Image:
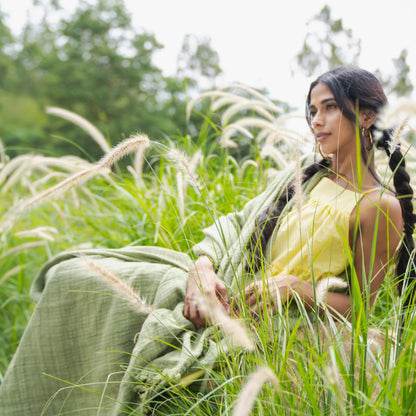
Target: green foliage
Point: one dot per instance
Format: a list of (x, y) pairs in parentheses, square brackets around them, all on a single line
[(95, 64), (317, 366), (198, 61), (6, 43), (110, 212), (327, 45), (322, 366), (22, 123), (399, 83)]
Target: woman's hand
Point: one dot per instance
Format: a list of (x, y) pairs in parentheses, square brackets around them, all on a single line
[(203, 281), (266, 293)]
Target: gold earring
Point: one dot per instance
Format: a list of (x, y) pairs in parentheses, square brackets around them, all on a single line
[(326, 157), (367, 132), (370, 136)]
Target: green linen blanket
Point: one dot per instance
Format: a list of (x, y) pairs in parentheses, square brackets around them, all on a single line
[(87, 351)]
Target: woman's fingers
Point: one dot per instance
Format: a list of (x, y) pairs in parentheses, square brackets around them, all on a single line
[(252, 293), (209, 287), (264, 294), (222, 296)]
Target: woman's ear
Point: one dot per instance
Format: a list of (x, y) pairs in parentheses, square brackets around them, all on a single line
[(367, 118)]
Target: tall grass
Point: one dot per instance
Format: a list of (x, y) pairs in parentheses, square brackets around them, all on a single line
[(302, 364)]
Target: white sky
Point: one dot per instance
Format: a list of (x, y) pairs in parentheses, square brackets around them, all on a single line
[(258, 40)]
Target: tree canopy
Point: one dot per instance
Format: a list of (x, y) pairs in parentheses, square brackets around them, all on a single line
[(95, 64)]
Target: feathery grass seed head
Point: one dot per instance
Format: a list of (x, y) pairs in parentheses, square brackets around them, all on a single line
[(252, 388), (82, 123), (186, 165), (232, 327), (119, 285), (327, 284), (133, 143)]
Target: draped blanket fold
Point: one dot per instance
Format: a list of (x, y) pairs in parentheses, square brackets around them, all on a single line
[(88, 349)]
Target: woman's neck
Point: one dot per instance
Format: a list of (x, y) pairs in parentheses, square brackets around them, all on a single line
[(346, 173)]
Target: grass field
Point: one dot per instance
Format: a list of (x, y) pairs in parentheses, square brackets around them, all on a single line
[(319, 367)]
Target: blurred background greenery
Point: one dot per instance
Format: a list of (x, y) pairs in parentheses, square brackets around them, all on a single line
[(95, 63)]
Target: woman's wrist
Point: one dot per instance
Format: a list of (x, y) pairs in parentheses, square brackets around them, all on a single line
[(205, 262), (292, 285)]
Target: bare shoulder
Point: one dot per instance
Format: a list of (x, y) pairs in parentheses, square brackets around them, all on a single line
[(382, 208)]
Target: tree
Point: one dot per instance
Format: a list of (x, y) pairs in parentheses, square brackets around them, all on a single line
[(98, 67), (94, 63), (327, 45), (21, 118), (398, 83), (198, 63), (6, 44)]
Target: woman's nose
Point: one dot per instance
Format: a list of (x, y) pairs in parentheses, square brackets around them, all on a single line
[(317, 120)]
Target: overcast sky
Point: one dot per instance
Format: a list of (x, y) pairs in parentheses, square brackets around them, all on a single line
[(258, 40)]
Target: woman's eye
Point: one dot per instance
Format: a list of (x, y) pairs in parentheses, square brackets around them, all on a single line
[(331, 106)]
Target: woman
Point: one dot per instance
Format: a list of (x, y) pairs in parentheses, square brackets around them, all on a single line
[(335, 102), (78, 339)]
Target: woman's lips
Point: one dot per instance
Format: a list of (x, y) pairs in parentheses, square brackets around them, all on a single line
[(322, 136)]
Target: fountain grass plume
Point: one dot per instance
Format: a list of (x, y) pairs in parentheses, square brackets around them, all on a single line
[(397, 116), (208, 94), (270, 132), (21, 167), (398, 133), (59, 188), (3, 157), (233, 328), (139, 163), (15, 270), (223, 96), (186, 165), (257, 107), (252, 388), (223, 101), (22, 247), (133, 143), (404, 109), (327, 284), (226, 141), (271, 151), (185, 175), (101, 167), (12, 165), (40, 232), (246, 164), (83, 124), (118, 285)]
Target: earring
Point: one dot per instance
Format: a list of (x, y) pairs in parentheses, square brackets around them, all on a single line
[(367, 132), (370, 136), (326, 157)]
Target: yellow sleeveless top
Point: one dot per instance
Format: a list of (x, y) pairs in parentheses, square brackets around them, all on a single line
[(314, 241)]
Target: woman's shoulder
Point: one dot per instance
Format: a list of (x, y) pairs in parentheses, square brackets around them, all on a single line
[(380, 205)]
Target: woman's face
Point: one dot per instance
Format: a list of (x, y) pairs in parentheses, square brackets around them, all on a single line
[(334, 132)]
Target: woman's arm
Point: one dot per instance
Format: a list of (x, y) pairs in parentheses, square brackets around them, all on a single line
[(284, 286), (378, 226)]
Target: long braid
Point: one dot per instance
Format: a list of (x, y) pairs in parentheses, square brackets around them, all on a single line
[(404, 192), (267, 220)]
